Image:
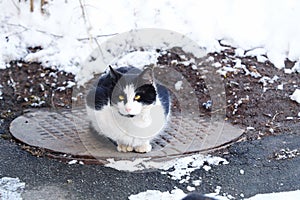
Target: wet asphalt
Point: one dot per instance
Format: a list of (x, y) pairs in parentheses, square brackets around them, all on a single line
[(254, 167)]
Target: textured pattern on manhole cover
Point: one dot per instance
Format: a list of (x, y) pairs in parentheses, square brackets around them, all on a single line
[(69, 132)]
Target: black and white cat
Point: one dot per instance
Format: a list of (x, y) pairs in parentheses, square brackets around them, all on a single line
[(128, 107)]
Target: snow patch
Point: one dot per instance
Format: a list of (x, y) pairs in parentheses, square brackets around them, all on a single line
[(296, 96), (216, 64), (183, 167), (216, 194), (256, 52), (259, 53), (291, 195), (286, 154), (178, 85), (239, 52), (72, 162), (296, 67), (176, 194), (138, 59), (176, 169), (267, 80), (67, 42), (250, 128), (190, 188), (194, 67), (196, 182), (224, 70), (252, 71), (280, 87), (128, 165), (242, 172), (11, 188), (238, 103), (288, 71)]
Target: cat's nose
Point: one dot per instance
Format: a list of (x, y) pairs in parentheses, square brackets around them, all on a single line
[(128, 109)]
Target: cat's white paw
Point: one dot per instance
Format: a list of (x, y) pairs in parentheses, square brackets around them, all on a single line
[(124, 148), (143, 148)]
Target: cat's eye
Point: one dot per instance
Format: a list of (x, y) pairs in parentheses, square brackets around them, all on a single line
[(137, 97), (121, 97)]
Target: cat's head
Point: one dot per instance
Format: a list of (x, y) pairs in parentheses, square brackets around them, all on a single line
[(134, 91)]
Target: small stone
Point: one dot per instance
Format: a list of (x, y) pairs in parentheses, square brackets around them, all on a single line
[(69, 181)]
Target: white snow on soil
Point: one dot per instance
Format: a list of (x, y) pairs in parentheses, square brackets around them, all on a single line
[(181, 167), (138, 59), (128, 165), (291, 195), (11, 188), (265, 29), (175, 194), (178, 194), (296, 96)]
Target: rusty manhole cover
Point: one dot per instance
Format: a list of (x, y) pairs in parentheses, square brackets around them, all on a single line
[(69, 132)]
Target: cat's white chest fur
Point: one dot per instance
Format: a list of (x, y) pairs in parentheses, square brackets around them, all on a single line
[(132, 132)]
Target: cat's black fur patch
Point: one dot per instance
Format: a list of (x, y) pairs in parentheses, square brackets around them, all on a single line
[(147, 93), (196, 196), (111, 84)]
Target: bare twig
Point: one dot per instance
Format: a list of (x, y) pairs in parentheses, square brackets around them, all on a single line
[(43, 2), (13, 83), (99, 47), (15, 33), (41, 31), (274, 117), (82, 11), (220, 109), (31, 6), (52, 98), (98, 36), (17, 7), (85, 19), (252, 49), (55, 35)]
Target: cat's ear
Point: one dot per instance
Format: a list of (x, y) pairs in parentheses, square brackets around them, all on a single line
[(147, 76), (114, 74)]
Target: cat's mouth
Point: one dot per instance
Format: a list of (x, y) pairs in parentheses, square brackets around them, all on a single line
[(129, 116)]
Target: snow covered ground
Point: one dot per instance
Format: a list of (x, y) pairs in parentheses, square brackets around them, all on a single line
[(70, 30)]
